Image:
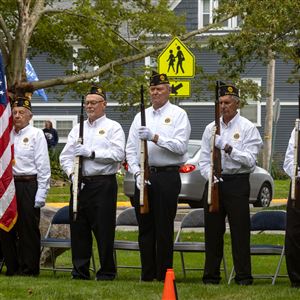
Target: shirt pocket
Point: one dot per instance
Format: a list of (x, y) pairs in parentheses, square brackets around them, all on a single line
[(25, 150)]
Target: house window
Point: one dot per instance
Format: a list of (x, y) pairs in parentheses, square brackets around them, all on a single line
[(79, 52), (63, 124), (150, 62), (63, 127), (206, 12), (252, 111)]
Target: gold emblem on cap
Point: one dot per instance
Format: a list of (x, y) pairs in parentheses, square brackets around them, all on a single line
[(161, 77), (101, 131), (99, 90), (26, 140), (230, 89), (236, 136)]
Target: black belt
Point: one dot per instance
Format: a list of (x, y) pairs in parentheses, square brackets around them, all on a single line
[(234, 176), (20, 178), (164, 169), (94, 178)]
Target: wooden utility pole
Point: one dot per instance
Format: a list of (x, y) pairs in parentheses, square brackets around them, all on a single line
[(269, 112)]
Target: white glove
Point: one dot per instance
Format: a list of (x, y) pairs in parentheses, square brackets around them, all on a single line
[(216, 180), (219, 142), (39, 204), (71, 177), (39, 199), (82, 150), (145, 133), (138, 181)]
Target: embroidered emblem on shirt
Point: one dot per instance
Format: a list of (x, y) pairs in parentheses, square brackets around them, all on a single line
[(236, 136), (101, 131), (167, 120), (25, 140)]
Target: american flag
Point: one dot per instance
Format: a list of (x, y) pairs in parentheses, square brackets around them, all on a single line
[(8, 202)]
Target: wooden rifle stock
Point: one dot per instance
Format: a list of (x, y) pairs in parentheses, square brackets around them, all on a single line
[(144, 175), (78, 167), (215, 161)]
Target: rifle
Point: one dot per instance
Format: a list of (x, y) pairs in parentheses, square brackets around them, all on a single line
[(144, 203), (77, 181), (215, 160), (295, 184)]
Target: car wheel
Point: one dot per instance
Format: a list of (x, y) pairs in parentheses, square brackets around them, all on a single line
[(195, 204), (264, 197)]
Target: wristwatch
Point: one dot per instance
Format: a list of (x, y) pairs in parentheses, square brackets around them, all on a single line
[(228, 149), (92, 157), (155, 138)]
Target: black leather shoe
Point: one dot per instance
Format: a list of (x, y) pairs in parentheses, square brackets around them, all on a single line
[(244, 282), (295, 285), (78, 277), (105, 277)]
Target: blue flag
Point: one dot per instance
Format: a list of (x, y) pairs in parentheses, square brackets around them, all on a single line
[(31, 76)]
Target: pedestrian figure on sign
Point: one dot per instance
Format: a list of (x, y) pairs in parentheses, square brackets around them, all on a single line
[(171, 61), (180, 59)]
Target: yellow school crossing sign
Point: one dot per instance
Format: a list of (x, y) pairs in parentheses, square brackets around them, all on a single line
[(180, 88), (176, 60)]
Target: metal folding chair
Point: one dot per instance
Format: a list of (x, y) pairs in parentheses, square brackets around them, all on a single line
[(61, 217), (193, 220), (126, 218), (267, 220)]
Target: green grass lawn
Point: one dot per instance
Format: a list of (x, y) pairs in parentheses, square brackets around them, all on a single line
[(62, 194), (128, 286)]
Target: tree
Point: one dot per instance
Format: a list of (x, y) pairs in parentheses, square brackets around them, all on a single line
[(114, 33), (269, 29)]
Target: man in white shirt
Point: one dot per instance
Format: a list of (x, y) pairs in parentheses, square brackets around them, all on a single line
[(292, 237), (167, 131), (103, 150), (239, 142), (31, 170)]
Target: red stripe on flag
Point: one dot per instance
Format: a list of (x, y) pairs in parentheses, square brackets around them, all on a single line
[(8, 201)]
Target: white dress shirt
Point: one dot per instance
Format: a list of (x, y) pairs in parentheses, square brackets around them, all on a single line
[(31, 157), (104, 136), (246, 143), (172, 125), (288, 164)]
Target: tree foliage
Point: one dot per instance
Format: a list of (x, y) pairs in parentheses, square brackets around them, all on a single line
[(117, 33), (266, 25)]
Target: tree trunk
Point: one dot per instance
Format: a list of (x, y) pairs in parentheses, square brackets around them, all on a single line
[(269, 113)]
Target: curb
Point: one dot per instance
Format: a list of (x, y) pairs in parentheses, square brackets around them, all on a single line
[(128, 204)]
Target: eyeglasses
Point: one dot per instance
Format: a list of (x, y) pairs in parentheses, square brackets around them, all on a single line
[(93, 103)]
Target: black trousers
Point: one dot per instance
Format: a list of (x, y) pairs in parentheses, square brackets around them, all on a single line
[(96, 214), (21, 246), (292, 243), (234, 203), (156, 228)]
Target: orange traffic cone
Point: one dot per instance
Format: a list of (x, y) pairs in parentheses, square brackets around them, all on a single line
[(170, 292)]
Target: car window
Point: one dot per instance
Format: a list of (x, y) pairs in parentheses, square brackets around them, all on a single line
[(193, 149)]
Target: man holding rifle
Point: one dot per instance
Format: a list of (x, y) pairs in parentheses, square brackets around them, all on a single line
[(102, 151), (239, 142), (167, 131)]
